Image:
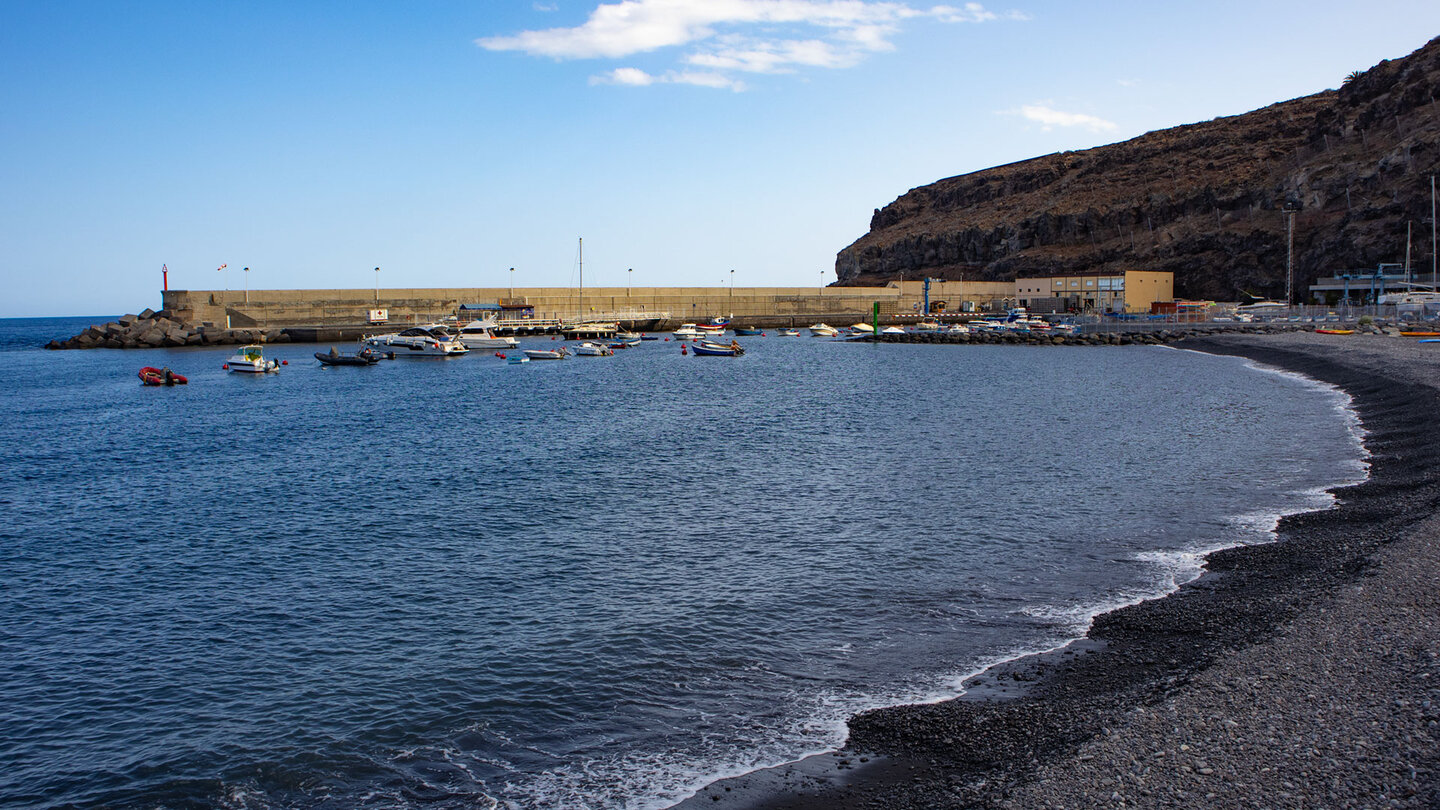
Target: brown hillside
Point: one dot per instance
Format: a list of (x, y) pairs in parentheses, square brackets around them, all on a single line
[(1202, 200)]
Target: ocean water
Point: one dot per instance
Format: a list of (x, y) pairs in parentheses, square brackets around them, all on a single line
[(600, 582)]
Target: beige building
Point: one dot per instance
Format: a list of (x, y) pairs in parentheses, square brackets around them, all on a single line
[(1131, 291)]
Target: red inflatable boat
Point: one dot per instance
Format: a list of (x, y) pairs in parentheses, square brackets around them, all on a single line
[(161, 376)]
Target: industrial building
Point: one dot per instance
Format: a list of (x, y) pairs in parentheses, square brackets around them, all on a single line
[(1130, 291)]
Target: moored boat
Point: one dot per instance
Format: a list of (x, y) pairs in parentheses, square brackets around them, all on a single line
[(150, 375), (367, 356), (588, 349), (547, 354), (743, 330), (419, 341), (706, 348), (823, 330), (251, 360), (688, 331), (789, 333), (1334, 331), (480, 335)]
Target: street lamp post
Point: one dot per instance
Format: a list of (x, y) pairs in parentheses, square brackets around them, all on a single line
[(628, 276), (512, 283), (247, 285), (732, 285), (377, 285)]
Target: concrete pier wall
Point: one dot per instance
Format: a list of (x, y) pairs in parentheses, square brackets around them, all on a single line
[(287, 308)]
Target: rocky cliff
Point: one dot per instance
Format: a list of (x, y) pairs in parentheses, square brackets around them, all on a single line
[(1203, 200)]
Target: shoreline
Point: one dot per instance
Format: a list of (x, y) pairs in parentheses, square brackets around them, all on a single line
[(1076, 726)]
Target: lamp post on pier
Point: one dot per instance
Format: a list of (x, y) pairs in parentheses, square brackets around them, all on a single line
[(377, 285), (732, 285), (247, 285), (629, 271), (512, 284)]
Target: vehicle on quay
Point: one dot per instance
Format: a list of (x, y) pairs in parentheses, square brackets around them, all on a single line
[(251, 360), (419, 341)]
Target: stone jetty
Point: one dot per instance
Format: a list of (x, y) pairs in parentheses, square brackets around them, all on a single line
[(152, 330)]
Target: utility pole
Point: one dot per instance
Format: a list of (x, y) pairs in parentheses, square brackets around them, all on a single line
[(1289, 254), (1408, 279), (1432, 231)]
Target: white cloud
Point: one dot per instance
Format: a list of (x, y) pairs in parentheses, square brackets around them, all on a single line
[(1050, 118), (635, 77), (749, 36)]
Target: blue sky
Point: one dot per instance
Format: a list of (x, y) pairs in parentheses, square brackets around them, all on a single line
[(447, 142)]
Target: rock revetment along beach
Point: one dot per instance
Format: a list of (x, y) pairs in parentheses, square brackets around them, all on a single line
[(1299, 673)]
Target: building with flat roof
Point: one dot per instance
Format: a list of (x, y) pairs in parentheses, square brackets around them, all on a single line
[(1130, 291)]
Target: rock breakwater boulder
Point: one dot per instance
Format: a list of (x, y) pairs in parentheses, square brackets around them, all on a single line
[(152, 330)]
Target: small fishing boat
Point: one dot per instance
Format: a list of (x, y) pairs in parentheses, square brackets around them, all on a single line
[(547, 354), (892, 330), (627, 335), (742, 330), (1415, 334), (789, 333), (150, 375), (516, 359), (623, 344), (588, 349), (251, 360), (688, 331), (365, 357), (1334, 331), (706, 348), (824, 330)]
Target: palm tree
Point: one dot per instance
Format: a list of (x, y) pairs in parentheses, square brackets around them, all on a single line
[(1354, 74)]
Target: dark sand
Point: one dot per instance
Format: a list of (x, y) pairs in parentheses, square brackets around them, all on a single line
[(1303, 673)]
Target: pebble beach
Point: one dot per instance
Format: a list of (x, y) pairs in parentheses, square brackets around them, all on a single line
[(1301, 673)]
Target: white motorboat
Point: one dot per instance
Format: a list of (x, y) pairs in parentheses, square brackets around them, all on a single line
[(862, 329), (478, 335), (547, 354), (892, 330), (688, 331), (588, 349), (419, 341), (251, 360), (824, 330), (789, 333)]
